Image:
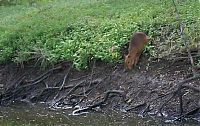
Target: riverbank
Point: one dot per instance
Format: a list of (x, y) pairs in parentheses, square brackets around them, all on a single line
[(103, 87), (69, 54)]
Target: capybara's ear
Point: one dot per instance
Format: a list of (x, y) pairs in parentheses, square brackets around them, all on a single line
[(148, 39)]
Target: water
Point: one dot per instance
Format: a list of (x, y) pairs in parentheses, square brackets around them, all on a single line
[(23, 115)]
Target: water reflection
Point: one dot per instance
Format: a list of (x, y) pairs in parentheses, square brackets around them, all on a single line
[(37, 115)]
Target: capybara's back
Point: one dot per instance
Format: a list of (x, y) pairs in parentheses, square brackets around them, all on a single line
[(136, 46)]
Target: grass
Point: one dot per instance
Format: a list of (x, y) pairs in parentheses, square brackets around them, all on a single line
[(79, 31)]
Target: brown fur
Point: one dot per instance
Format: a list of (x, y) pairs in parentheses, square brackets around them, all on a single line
[(136, 46)]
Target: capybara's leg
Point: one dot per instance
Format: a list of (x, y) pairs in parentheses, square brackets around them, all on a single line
[(133, 63), (137, 59)]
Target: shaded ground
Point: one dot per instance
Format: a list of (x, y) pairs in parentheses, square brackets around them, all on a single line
[(143, 90)]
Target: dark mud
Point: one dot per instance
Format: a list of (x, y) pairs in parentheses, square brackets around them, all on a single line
[(146, 90)]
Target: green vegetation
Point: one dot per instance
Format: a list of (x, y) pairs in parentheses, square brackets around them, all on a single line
[(81, 30)]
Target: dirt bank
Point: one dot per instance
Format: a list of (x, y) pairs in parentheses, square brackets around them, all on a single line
[(150, 89)]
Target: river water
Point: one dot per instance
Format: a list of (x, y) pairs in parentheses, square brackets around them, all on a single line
[(37, 115)]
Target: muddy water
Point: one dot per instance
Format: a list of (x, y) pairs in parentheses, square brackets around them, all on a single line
[(23, 115)]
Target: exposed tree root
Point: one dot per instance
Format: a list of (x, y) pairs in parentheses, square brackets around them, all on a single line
[(101, 103), (176, 92), (187, 114), (21, 88), (94, 90)]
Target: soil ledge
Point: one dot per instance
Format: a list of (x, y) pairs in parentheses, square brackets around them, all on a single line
[(152, 88)]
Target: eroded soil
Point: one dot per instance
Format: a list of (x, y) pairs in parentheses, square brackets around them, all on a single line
[(142, 90)]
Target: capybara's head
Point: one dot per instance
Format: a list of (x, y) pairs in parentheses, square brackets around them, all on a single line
[(129, 61), (141, 37)]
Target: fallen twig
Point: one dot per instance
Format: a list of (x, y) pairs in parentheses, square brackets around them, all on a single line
[(182, 35)]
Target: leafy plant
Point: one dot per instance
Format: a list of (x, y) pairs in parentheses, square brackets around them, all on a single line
[(79, 31)]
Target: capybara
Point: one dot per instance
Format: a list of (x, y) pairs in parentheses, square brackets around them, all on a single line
[(136, 46)]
